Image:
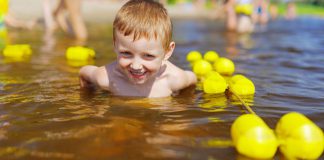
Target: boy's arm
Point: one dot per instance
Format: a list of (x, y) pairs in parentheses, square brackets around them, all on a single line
[(182, 79), (93, 76)]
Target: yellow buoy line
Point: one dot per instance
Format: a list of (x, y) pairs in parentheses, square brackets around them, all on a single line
[(247, 107), (296, 136), (76, 55)]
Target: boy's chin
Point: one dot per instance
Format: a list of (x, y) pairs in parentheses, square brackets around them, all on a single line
[(138, 82)]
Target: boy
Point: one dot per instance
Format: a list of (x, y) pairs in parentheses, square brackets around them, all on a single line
[(142, 32)]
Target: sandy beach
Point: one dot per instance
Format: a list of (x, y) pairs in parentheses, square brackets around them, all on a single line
[(101, 10)]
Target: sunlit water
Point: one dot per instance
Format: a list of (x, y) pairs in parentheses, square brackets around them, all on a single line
[(45, 115)]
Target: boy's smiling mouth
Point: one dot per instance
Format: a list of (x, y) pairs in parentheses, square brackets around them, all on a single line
[(137, 74)]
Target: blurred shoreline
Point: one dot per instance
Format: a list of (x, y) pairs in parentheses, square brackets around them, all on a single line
[(102, 11)]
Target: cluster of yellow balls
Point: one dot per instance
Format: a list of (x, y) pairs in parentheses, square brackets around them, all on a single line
[(296, 135), (76, 56), (215, 73)]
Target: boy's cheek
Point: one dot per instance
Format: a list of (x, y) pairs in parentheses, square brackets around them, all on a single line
[(122, 62), (154, 66)]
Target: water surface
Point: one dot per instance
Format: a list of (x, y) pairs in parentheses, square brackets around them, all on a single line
[(45, 115)]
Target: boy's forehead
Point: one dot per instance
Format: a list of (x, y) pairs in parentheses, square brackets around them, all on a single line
[(141, 43)]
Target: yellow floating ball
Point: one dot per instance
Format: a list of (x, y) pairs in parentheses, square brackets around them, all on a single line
[(224, 66), (202, 67), (253, 138), (79, 53), (211, 56), (238, 77), (241, 85), (214, 83), (193, 56), (246, 9), (3, 36), (17, 51), (4, 5), (299, 137)]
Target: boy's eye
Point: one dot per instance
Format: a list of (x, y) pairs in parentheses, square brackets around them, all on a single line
[(149, 56), (125, 54)]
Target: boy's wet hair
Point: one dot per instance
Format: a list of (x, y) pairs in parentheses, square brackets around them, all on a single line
[(144, 19)]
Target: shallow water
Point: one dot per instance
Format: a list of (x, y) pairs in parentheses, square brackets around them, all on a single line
[(45, 115)]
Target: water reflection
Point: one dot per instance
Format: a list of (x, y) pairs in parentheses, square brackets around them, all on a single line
[(238, 43), (213, 103), (16, 59)]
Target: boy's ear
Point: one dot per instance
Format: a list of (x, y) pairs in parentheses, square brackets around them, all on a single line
[(170, 51)]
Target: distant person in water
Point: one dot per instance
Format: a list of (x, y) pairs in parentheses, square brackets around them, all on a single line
[(9, 20), (273, 9), (142, 36), (75, 23), (261, 13), (239, 15), (290, 9)]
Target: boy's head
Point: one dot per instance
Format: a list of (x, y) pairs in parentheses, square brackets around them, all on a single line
[(144, 19)]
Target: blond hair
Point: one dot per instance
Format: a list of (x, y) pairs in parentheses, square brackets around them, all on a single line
[(144, 18)]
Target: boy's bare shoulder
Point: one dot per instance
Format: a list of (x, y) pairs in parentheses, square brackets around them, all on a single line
[(175, 75), (102, 77), (178, 78), (173, 70)]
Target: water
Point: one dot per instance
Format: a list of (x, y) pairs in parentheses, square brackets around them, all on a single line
[(45, 115)]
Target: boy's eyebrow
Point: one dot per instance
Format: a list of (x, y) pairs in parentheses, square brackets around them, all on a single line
[(124, 50)]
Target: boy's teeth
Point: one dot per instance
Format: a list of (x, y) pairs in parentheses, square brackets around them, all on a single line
[(137, 73)]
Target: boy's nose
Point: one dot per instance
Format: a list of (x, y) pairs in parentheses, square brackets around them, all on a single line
[(136, 66)]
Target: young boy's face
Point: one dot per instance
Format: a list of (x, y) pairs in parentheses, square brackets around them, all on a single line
[(139, 60)]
